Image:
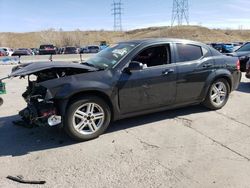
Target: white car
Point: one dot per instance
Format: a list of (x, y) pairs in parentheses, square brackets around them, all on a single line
[(10, 51)]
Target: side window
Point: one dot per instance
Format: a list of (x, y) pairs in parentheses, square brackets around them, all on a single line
[(188, 52), (154, 56)]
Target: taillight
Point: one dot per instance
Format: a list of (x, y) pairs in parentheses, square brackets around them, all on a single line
[(238, 65)]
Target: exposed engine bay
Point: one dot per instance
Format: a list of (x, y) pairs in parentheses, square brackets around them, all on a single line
[(42, 109)]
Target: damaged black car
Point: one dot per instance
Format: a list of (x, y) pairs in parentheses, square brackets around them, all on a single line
[(127, 79)]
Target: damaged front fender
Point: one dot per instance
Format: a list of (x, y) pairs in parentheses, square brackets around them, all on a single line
[(42, 107)]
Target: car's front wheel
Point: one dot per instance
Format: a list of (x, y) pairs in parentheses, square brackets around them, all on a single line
[(217, 95), (87, 118)]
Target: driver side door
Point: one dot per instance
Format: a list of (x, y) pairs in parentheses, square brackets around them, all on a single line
[(153, 86)]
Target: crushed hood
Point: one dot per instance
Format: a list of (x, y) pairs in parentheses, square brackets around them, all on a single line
[(30, 68)]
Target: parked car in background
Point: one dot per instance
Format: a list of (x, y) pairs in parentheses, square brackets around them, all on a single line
[(103, 45), (90, 49), (22, 52), (69, 50), (35, 51), (243, 53), (93, 49), (78, 50), (59, 50), (83, 50), (8, 50), (223, 47), (128, 79), (3, 52), (236, 45), (28, 49), (47, 49)]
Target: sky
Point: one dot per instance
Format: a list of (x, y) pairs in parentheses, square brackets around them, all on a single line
[(69, 15)]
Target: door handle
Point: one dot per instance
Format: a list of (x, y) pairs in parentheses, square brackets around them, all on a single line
[(167, 71), (206, 65)]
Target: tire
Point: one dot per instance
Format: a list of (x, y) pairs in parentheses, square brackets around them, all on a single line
[(87, 118), (1, 101), (217, 98), (243, 66)]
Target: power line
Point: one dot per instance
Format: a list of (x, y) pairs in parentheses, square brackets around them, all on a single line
[(180, 12), (117, 13)]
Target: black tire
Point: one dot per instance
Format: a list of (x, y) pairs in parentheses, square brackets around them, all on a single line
[(243, 66), (209, 103), (69, 118), (1, 101)]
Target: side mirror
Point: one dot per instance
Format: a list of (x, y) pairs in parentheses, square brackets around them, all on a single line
[(133, 66)]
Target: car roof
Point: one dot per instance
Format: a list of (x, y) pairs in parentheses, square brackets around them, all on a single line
[(160, 40)]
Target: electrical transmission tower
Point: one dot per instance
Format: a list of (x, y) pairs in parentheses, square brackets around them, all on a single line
[(117, 13), (180, 12)]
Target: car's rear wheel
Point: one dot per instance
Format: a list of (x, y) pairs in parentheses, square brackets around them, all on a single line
[(87, 118), (1, 101), (217, 95)]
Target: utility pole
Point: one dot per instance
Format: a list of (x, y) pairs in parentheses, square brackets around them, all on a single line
[(117, 13), (180, 12)]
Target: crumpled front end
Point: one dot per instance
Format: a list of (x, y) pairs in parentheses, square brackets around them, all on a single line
[(41, 109)]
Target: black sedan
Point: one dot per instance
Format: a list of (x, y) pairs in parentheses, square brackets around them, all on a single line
[(69, 50), (127, 79), (243, 53)]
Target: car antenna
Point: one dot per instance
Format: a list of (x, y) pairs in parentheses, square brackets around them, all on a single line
[(81, 57), (19, 62), (51, 57)]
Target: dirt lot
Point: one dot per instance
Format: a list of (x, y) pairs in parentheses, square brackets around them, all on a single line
[(189, 147)]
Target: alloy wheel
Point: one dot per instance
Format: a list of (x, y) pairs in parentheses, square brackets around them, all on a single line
[(218, 93), (88, 118)]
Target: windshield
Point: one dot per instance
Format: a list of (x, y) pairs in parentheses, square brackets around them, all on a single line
[(111, 55), (244, 48)]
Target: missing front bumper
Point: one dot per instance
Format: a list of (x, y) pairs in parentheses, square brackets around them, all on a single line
[(41, 114)]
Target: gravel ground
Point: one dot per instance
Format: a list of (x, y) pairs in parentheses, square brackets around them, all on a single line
[(188, 147)]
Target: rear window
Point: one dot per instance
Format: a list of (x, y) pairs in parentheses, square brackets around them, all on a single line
[(188, 52)]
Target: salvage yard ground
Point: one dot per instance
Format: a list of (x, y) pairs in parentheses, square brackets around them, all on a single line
[(189, 147)]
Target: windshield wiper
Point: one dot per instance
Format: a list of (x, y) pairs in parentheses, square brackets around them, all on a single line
[(91, 65)]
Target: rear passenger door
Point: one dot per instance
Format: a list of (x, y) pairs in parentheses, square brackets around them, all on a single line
[(194, 64)]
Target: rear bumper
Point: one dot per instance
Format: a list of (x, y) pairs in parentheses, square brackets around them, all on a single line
[(236, 80)]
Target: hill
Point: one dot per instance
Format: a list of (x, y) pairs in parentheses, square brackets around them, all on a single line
[(81, 38)]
